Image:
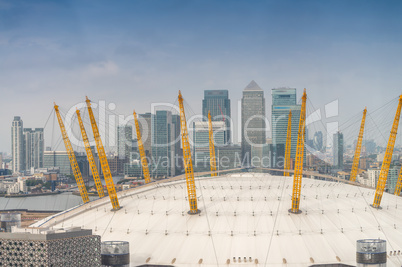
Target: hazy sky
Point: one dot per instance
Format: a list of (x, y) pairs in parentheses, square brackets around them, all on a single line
[(134, 53)]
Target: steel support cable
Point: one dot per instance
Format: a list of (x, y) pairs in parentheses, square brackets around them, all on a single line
[(265, 205), (275, 220), (209, 225), (385, 139)]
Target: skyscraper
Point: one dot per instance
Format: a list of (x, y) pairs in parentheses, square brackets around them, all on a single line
[(33, 148), (252, 118), (162, 144), (178, 151), (283, 101), (338, 150), (317, 141), (17, 145), (145, 123), (218, 102), (124, 141), (201, 159)]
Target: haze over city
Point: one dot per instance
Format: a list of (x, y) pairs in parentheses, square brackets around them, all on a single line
[(137, 53)]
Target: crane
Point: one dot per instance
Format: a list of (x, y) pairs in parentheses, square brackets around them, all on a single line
[(90, 156), (188, 162), (103, 160), (286, 165), (71, 156), (382, 179), (298, 174), (212, 158), (356, 158), (144, 161)]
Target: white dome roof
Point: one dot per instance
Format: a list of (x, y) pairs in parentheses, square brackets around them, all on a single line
[(242, 216)]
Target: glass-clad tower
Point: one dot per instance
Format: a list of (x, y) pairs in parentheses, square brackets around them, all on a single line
[(252, 119), (163, 133), (218, 102), (283, 101)]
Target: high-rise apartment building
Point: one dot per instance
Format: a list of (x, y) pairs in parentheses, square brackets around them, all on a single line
[(162, 144), (252, 118), (338, 150), (124, 141), (17, 145), (283, 101), (201, 158), (218, 103), (34, 146)]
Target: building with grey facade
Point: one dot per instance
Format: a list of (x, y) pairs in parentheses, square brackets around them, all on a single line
[(163, 144), (124, 141), (178, 150), (200, 142), (17, 145), (45, 247), (337, 150), (253, 126), (59, 159), (145, 123), (228, 157), (218, 103), (34, 146)]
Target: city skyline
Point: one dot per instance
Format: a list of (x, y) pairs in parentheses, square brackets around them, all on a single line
[(145, 54)]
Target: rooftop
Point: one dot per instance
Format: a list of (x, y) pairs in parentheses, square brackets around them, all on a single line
[(244, 217)]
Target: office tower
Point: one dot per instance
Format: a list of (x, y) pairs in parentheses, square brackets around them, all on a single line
[(162, 144), (34, 148), (283, 101), (17, 145), (58, 159), (178, 151), (261, 156), (252, 118), (201, 159), (218, 102), (124, 141), (317, 141), (338, 150), (228, 157), (145, 123)]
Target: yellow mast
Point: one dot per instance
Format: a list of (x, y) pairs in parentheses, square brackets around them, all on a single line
[(144, 161), (356, 158), (188, 162), (103, 160), (212, 158), (71, 157), (382, 180), (91, 160), (286, 165), (298, 174), (398, 186)]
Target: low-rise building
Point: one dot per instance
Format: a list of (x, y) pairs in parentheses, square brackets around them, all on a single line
[(44, 247)]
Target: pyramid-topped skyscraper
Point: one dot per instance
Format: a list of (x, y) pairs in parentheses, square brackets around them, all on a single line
[(253, 126)]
